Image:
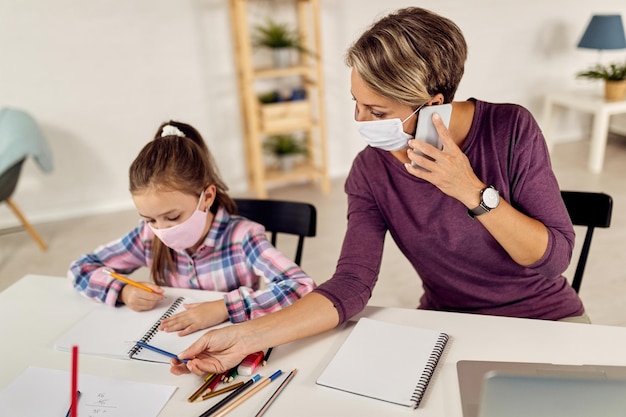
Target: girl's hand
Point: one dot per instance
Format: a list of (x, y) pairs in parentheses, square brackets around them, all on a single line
[(197, 316), (141, 300), (447, 169)]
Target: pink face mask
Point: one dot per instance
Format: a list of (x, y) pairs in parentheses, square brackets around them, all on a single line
[(186, 234)]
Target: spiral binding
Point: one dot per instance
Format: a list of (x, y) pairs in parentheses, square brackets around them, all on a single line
[(429, 369), (155, 327)]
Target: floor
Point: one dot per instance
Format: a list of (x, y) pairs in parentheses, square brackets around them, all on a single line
[(603, 290)]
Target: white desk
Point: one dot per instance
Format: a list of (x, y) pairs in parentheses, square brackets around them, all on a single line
[(590, 103), (37, 309)]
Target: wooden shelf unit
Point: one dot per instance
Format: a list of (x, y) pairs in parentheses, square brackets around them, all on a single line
[(262, 120)]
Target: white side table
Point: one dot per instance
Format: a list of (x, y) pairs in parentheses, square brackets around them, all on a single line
[(590, 103)]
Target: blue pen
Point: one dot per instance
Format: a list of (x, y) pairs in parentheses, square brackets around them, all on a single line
[(161, 351)]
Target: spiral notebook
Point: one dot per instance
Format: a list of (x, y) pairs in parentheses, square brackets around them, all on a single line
[(113, 332), (386, 361)]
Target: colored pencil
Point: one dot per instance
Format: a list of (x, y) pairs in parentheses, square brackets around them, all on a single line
[(267, 355), (161, 351), (248, 394), (216, 381), (127, 280), (202, 388), (74, 403), (230, 396), (276, 393), (232, 374), (69, 412), (221, 390)]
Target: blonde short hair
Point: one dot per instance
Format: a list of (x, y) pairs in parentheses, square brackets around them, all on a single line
[(410, 56)]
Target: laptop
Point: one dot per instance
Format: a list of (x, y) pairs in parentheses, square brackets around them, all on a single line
[(508, 395), (471, 375)]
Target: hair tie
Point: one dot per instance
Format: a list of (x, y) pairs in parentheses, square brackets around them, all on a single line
[(169, 130)]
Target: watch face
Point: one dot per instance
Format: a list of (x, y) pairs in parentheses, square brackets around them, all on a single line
[(491, 198)]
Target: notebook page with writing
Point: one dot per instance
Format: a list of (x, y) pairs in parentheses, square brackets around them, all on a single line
[(112, 332), (385, 361), (38, 392)]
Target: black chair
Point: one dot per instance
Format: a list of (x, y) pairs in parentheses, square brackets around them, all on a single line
[(288, 217), (591, 210), (8, 182)]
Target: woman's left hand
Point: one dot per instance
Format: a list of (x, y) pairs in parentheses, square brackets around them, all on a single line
[(197, 316), (448, 169), (216, 351)]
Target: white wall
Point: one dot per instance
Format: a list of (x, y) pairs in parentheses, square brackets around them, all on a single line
[(101, 75)]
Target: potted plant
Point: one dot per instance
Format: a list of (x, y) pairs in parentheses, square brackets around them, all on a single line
[(285, 148), (269, 97), (280, 38), (614, 76)]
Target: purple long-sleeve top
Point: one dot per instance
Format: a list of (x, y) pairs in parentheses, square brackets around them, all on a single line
[(462, 267)]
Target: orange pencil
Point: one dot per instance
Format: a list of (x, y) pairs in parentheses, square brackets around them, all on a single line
[(127, 280)]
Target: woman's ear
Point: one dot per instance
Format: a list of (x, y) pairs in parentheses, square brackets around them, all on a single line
[(436, 100)]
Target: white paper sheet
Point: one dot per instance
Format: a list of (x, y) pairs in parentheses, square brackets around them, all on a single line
[(38, 392)]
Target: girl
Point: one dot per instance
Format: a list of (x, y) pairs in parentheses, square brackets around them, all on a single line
[(189, 237)]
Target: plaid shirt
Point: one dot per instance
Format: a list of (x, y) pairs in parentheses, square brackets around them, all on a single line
[(234, 258)]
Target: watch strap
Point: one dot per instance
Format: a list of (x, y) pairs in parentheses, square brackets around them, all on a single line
[(481, 209)]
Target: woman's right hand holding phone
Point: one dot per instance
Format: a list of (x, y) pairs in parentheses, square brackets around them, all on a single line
[(448, 168)]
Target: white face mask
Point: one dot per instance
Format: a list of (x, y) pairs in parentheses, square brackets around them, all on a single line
[(386, 134)]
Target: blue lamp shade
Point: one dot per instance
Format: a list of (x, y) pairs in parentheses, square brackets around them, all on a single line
[(604, 32)]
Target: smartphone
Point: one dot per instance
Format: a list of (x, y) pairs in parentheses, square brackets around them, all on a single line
[(426, 131)]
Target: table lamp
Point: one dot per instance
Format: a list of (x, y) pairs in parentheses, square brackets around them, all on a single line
[(604, 32)]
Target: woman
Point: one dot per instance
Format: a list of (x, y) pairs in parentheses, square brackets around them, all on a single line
[(481, 219)]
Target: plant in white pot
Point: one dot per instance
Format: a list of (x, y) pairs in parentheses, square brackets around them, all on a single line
[(281, 39), (285, 148), (614, 76)]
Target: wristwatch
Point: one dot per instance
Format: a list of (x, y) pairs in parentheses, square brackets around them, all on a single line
[(489, 199)]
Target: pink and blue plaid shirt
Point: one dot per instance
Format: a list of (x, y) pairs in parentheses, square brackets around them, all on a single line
[(234, 258)]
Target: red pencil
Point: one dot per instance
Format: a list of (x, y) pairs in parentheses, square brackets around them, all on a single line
[(214, 383), (74, 393)]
